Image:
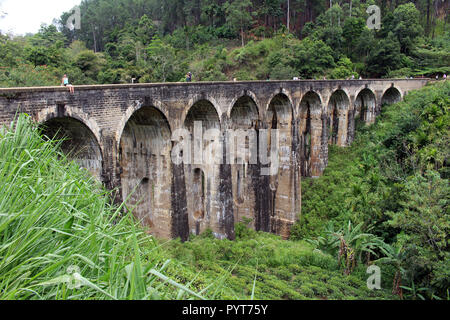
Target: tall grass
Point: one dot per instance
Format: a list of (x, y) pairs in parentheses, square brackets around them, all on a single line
[(61, 238)]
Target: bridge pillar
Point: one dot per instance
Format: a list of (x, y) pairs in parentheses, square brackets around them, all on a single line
[(343, 127), (351, 122)]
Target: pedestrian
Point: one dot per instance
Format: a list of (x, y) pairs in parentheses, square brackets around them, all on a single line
[(445, 76), (65, 83), (437, 77), (189, 77)]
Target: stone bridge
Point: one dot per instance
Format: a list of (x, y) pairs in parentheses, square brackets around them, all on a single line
[(124, 135)]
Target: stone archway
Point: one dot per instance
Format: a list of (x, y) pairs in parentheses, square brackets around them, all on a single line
[(365, 106), (77, 142), (284, 180), (203, 173), (313, 141), (243, 157), (391, 96), (338, 107), (146, 169)]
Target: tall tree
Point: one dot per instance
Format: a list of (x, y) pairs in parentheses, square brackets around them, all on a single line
[(238, 15), (406, 26)]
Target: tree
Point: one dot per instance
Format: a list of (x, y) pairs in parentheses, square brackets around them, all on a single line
[(352, 30), (146, 30), (366, 43), (282, 72), (384, 57), (312, 57), (48, 36), (90, 63), (343, 70), (406, 26), (161, 60), (238, 15)]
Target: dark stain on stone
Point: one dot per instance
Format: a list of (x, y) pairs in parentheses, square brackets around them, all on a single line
[(180, 222), (226, 195), (261, 187)]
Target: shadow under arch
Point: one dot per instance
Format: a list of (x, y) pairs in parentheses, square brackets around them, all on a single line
[(78, 142), (280, 105), (242, 156), (313, 138), (391, 96), (135, 107), (284, 180), (338, 104), (199, 194), (203, 110), (206, 102), (144, 157), (245, 95), (244, 113), (202, 172), (365, 106)]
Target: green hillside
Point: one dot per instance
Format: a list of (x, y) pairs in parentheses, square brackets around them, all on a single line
[(121, 41)]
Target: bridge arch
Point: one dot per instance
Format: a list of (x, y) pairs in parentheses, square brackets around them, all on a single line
[(205, 111), (144, 157), (313, 148), (202, 173), (201, 100), (285, 95), (81, 136), (244, 113), (391, 95), (242, 156), (338, 106), (132, 109), (244, 95), (281, 101), (365, 106), (71, 112), (283, 169)]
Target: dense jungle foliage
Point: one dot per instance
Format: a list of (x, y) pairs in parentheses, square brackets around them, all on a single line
[(121, 41)]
